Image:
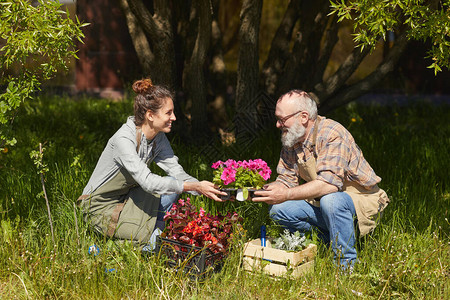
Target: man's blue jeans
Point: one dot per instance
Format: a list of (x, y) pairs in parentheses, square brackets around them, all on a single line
[(334, 220)]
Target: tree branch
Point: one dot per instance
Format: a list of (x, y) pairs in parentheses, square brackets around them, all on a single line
[(313, 22), (325, 89), (330, 40), (366, 84), (159, 30), (140, 43), (163, 11), (195, 73), (306, 49), (279, 49), (151, 27)]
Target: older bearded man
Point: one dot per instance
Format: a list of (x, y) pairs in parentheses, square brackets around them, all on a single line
[(339, 185)]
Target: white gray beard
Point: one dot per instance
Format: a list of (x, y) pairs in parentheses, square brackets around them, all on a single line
[(293, 135)]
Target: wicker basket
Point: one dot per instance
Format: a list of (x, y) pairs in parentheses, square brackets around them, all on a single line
[(191, 259)]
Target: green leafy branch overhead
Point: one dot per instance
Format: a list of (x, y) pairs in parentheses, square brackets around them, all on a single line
[(36, 41), (421, 20)]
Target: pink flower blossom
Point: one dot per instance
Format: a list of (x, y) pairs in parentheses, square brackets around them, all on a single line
[(202, 212), (243, 164), (228, 176), (231, 163), (252, 165), (260, 163), (265, 173), (227, 171), (217, 164)]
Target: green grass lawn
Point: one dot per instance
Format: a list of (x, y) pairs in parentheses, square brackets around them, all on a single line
[(406, 257)]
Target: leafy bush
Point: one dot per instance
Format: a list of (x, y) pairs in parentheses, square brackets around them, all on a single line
[(38, 40)]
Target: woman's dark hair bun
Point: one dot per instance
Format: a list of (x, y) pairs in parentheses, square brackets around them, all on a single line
[(142, 86)]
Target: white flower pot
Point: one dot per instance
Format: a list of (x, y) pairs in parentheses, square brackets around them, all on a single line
[(240, 195)]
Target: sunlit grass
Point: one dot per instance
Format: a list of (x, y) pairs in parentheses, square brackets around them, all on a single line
[(408, 255)]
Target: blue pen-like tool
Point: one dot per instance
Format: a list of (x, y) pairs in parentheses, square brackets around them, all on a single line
[(263, 235)]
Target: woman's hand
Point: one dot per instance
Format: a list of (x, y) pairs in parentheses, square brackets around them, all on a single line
[(205, 188)]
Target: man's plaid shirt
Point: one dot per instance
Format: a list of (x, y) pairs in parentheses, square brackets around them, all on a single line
[(338, 159)]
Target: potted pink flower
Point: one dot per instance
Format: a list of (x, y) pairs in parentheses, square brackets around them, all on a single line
[(241, 177)]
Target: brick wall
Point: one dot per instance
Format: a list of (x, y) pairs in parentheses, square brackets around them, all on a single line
[(107, 58)]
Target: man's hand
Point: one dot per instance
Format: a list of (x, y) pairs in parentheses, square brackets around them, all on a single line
[(272, 194), (277, 192)]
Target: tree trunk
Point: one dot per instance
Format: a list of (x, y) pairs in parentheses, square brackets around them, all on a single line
[(195, 77), (217, 79), (140, 42), (185, 50), (248, 61), (158, 27), (279, 50), (301, 66)]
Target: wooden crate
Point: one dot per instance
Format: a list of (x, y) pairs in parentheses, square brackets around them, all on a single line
[(278, 262)]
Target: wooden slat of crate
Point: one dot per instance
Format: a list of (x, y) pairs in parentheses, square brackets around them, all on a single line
[(254, 249), (274, 269)]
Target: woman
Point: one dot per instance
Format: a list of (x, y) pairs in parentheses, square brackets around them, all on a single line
[(123, 198)]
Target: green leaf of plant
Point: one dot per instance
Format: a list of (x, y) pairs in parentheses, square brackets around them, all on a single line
[(245, 193)]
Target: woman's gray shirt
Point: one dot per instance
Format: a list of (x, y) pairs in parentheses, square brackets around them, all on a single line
[(120, 152)]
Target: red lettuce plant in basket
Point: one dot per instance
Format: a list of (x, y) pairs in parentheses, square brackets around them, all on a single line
[(197, 228)]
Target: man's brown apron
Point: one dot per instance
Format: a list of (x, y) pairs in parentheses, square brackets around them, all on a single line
[(369, 204), (121, 208)]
